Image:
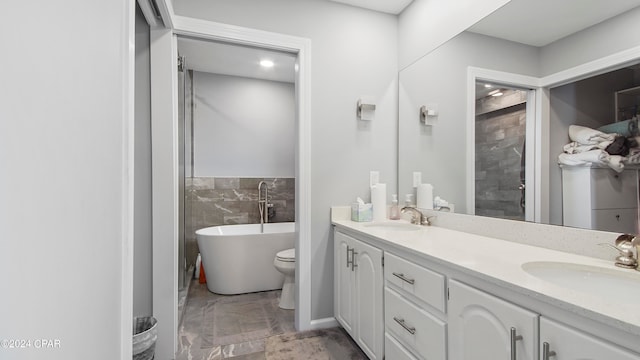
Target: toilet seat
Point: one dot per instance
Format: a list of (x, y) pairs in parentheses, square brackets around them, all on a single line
[(288, 255)]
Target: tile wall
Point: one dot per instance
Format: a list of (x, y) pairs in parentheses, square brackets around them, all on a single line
[(500, 134), (213, 201)]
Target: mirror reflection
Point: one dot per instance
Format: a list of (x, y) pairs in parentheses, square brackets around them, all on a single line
[(498, 155)]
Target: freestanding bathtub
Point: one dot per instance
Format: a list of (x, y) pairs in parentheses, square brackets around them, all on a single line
[(238, 259)]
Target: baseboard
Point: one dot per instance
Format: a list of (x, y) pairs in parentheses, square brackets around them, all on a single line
[(323, 323)]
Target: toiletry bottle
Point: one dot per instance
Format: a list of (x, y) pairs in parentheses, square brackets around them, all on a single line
[(394, 212), (408, 200)]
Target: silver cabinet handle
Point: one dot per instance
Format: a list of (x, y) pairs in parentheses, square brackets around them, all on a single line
[(514, 338), (546, 354), (353, 260), (404, 278), (400, 321), (349, 249)]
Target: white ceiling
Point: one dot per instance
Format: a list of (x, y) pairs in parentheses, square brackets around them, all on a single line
[(532, 22), (226, 59), (388, 6), (541, 22)]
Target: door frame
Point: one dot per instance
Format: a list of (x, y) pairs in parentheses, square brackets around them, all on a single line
[(165, 163), (532, 193)]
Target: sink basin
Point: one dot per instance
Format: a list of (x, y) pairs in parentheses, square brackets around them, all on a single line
[(394, 226), (623, 284)]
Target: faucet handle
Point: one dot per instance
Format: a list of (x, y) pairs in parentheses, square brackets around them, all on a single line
[(626, 239), (626, 259)]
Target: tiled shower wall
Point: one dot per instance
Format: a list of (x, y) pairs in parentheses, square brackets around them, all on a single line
[(212, 201), (500, 134)]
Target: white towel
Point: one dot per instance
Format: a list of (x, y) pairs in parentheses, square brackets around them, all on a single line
[(588, 136), (584, 158), (575, 147), (615, 162), (588, 158)]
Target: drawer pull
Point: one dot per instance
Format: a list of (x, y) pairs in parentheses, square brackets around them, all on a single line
[(403, 278), (514, 338), (353, 259), (400, 321), (546, 353)]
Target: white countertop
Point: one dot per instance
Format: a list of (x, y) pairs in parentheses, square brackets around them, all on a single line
[(501, 261)]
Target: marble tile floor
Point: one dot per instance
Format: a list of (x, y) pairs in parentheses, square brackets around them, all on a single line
[(240, 327)]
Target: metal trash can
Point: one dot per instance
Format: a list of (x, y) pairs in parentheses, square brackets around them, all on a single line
[(145, 334)]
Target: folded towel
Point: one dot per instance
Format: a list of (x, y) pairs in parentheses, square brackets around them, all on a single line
[(588, 136), (575, 147), (592, 157), (584, 158)]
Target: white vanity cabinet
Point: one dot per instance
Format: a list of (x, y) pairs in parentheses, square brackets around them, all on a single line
[(600, 199), (358, 289), (484, 327), (561, 342), (414, 310)]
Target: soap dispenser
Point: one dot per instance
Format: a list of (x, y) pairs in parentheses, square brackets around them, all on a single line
[(394, 212)]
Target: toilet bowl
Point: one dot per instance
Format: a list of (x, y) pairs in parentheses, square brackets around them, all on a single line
[(285, 263)]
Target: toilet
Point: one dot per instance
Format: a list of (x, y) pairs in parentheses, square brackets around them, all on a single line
[(285, 262)]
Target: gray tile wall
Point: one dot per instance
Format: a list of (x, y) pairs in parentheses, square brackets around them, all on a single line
[(212, 201), (499, 139)]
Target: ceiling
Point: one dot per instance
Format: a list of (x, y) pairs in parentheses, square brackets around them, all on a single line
[(388, 6), (541, 22), (226, 59)]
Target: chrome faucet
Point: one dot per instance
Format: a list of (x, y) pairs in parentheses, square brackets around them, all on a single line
[(627, 245), (417, 217)]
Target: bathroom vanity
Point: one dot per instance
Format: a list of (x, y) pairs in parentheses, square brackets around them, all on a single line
[(405, 291)]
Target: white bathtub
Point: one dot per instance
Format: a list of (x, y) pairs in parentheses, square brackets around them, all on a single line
[(238, 259)]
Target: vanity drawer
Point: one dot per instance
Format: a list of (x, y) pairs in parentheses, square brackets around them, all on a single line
[(393, 349), (414, 328), (612, 190), (616, 220), (424, 284)]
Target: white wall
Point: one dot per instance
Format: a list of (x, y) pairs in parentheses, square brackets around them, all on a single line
[(354, 53), (142, 302), (66, 213), (243, 127), (439, 151), (426, 24), (608, 37)]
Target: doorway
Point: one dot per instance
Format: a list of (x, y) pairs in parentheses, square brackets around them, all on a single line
[(164, 55), (502, 120), (500, 151)]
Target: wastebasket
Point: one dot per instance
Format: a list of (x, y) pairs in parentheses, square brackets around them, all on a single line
[(145, 334)]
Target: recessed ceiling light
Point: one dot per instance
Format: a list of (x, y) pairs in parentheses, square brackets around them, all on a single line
[(266, 63), (488, 86)]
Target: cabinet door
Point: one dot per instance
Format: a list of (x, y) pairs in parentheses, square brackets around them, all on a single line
[(480, 327), (343, 281), (368, 299), (571, 344)]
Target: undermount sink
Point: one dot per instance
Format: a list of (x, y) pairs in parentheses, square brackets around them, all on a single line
[(395, 226), (623, 284)]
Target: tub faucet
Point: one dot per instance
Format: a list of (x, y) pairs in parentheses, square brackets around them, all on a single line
[(417, 217), (263, 204)]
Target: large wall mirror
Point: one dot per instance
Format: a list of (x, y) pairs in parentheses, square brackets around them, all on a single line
[(485, 116)]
